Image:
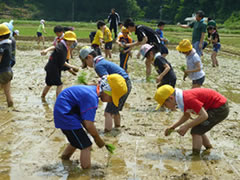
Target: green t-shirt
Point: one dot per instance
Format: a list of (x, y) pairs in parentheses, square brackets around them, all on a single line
[(199, 27), (40, 28)]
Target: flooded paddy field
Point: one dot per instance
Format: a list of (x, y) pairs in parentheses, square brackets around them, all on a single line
[(30, 146)]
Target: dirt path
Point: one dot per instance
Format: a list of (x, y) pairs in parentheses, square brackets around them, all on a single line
[(30, 146)]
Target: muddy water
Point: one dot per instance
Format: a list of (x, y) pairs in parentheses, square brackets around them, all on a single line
[(30, 146)]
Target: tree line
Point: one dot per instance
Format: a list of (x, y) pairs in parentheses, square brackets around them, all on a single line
[(171, 11)]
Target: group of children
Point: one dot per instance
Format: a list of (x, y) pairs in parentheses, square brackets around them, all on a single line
[(75, 107)]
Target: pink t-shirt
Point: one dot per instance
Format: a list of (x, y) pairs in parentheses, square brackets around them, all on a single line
[(195, 99)]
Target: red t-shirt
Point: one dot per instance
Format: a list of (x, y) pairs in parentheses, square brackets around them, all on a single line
[(195, 99)]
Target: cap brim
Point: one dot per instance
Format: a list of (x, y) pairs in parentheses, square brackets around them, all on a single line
[(70, 39)]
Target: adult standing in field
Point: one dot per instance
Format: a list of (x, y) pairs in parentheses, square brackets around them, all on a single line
[(113, 20), (40, 31), (144, 35), (199, 30)]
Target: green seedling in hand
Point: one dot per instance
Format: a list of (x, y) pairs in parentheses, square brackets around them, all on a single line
[(170, 131), (183, 68), (82, 78), (110, 148)]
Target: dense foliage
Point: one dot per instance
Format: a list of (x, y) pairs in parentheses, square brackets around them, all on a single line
[(171, 11)]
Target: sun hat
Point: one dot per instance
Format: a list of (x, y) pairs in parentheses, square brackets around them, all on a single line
[(144, 49), (70, 36), (83, 53), (184, 46), (162, 93), (4, 30), (42, 21), (16, 32)]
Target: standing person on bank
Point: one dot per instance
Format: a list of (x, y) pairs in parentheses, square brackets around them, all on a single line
[(114, 19)]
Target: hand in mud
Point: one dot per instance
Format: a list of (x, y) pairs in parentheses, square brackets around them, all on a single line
[(158, 79), (43, 52), (110, 148), (168, 131), (182, 130)]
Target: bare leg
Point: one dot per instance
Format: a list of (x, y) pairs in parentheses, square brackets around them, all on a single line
[(85, 158), (43, 39), (117, 120), (38, 40), (108, 121), (68, 152), (7, 91), (58, 90), (45, 91), (206, 142), (148, 68), (196, 142)]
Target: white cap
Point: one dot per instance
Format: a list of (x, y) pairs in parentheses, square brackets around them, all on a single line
[(16, 32)]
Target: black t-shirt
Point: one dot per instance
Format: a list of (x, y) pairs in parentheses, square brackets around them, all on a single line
[(215, 35), (57, 58), (113, 18), (142, 31), (159, 63), (6, 53)]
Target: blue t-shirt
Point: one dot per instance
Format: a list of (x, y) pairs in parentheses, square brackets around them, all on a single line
[(160, 33), (75, 104), (104, 67)]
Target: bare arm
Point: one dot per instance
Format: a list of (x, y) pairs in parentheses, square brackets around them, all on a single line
[(167, 68), (184, 26), (0, 58), (202, 116), (137, 43), (201, 40), (71, 66), (90, 127), (45, 51)]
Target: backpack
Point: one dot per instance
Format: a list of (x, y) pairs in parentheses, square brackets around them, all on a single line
[(91, 36)]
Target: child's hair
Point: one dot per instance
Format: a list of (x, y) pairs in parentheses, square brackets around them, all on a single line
[(129, 22), (209, 19), (200, 13), (161, 23), (93, 53), (211, 28), (120, 23), (68, 29), (100, 24), (58, 29), (154, 49), (6, 36)]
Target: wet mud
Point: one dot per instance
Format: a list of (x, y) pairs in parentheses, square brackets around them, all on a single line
[(30, 146)]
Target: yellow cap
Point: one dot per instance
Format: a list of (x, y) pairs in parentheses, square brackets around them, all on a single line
[(184, 46), (163, 92), (118, 86), (70, 36), (4, 30), (125, 30)]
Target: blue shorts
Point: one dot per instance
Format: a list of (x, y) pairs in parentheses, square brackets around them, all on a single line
[(77, 138), (199, 81), (39, 34), (216, 47)]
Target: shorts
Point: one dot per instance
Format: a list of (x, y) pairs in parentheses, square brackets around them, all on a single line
[(161, 48), (39, 34), (111, 108), (97, 49), (216, 47), (53, 77), (199, 81), (171, 83), (124, 60), (5, 77), (108, 45), (78, 138), (215, 116)]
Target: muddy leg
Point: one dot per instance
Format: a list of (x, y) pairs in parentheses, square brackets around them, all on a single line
[(45, 91), (206, 142), (214, 60), (58, 90), (117, 120), (148, 68), (108, 121), (6, 88), (68, 152), (196, 143), (85, 158)]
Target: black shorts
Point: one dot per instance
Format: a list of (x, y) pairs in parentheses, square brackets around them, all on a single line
[(53, 78), (108, 45), (161, 48), (77, 138), (169, 82), (5, 77), (111, 108), (97, 49), (39, 34), (215, 116), (199, 81)]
